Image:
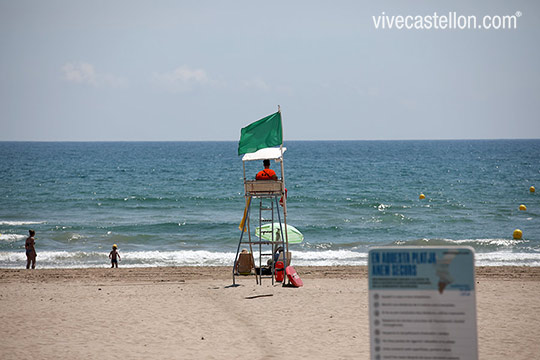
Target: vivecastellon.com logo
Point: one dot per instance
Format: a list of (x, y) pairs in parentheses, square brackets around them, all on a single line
[(447, 21)]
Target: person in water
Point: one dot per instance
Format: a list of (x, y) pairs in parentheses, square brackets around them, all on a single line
[(114, 256), (266, 173), (29, 245)]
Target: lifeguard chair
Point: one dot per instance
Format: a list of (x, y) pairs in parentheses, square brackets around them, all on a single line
[(270, 198)]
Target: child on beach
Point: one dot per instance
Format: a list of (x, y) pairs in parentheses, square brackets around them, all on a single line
[(114, 256)]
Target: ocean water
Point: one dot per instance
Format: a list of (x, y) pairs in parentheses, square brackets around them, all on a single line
[(180, 203)]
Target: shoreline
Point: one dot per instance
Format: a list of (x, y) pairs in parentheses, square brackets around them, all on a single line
[(168, 273)]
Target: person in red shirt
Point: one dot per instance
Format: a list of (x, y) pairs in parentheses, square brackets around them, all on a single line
[(266, 173)]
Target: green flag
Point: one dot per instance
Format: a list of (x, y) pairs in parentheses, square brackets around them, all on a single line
[(261, 134)]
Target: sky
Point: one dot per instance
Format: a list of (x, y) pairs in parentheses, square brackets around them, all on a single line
[(201, 70)]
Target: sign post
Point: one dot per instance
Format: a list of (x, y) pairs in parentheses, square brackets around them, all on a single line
[(422, 303)]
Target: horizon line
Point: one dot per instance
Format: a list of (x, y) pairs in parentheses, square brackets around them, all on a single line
[(296, 140)]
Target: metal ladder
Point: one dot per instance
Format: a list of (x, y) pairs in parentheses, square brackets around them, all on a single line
[(268, 206), (262, 220)]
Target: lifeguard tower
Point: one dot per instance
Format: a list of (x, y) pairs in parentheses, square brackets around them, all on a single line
[(269, 199)]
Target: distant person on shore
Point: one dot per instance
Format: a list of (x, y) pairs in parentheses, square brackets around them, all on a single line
[(266, 173), (442, 269), (29, 245), (114, 256)]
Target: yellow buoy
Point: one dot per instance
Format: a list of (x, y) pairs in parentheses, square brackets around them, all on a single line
[(422, 196), (532, 189), (522, 207), (518, 234)]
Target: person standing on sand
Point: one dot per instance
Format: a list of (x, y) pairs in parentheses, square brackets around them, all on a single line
[(267, 173), (29, 245), (114, 256)]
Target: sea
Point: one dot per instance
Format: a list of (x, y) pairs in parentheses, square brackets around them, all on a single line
[(180, 203)]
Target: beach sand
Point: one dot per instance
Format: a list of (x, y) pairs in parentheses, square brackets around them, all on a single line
[(195, 313)]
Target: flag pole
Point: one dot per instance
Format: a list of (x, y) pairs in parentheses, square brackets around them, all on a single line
[(283, 192)]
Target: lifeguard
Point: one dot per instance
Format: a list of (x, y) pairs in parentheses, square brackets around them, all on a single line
[(266, 173)]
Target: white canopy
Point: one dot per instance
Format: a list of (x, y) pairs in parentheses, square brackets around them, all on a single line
[(262, 154)]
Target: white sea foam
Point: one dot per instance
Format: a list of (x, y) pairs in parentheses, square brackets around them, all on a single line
[(11, 237), (329, 258), (179, 258), (508, 258), (383, 207), (487, 242), (74, 237), (476, 243), (64, 259), (19, 223)]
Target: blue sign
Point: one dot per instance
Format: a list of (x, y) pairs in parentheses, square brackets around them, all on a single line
[(444, 269)]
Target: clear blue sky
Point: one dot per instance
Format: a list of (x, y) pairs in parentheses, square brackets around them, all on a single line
[(201, 70)]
